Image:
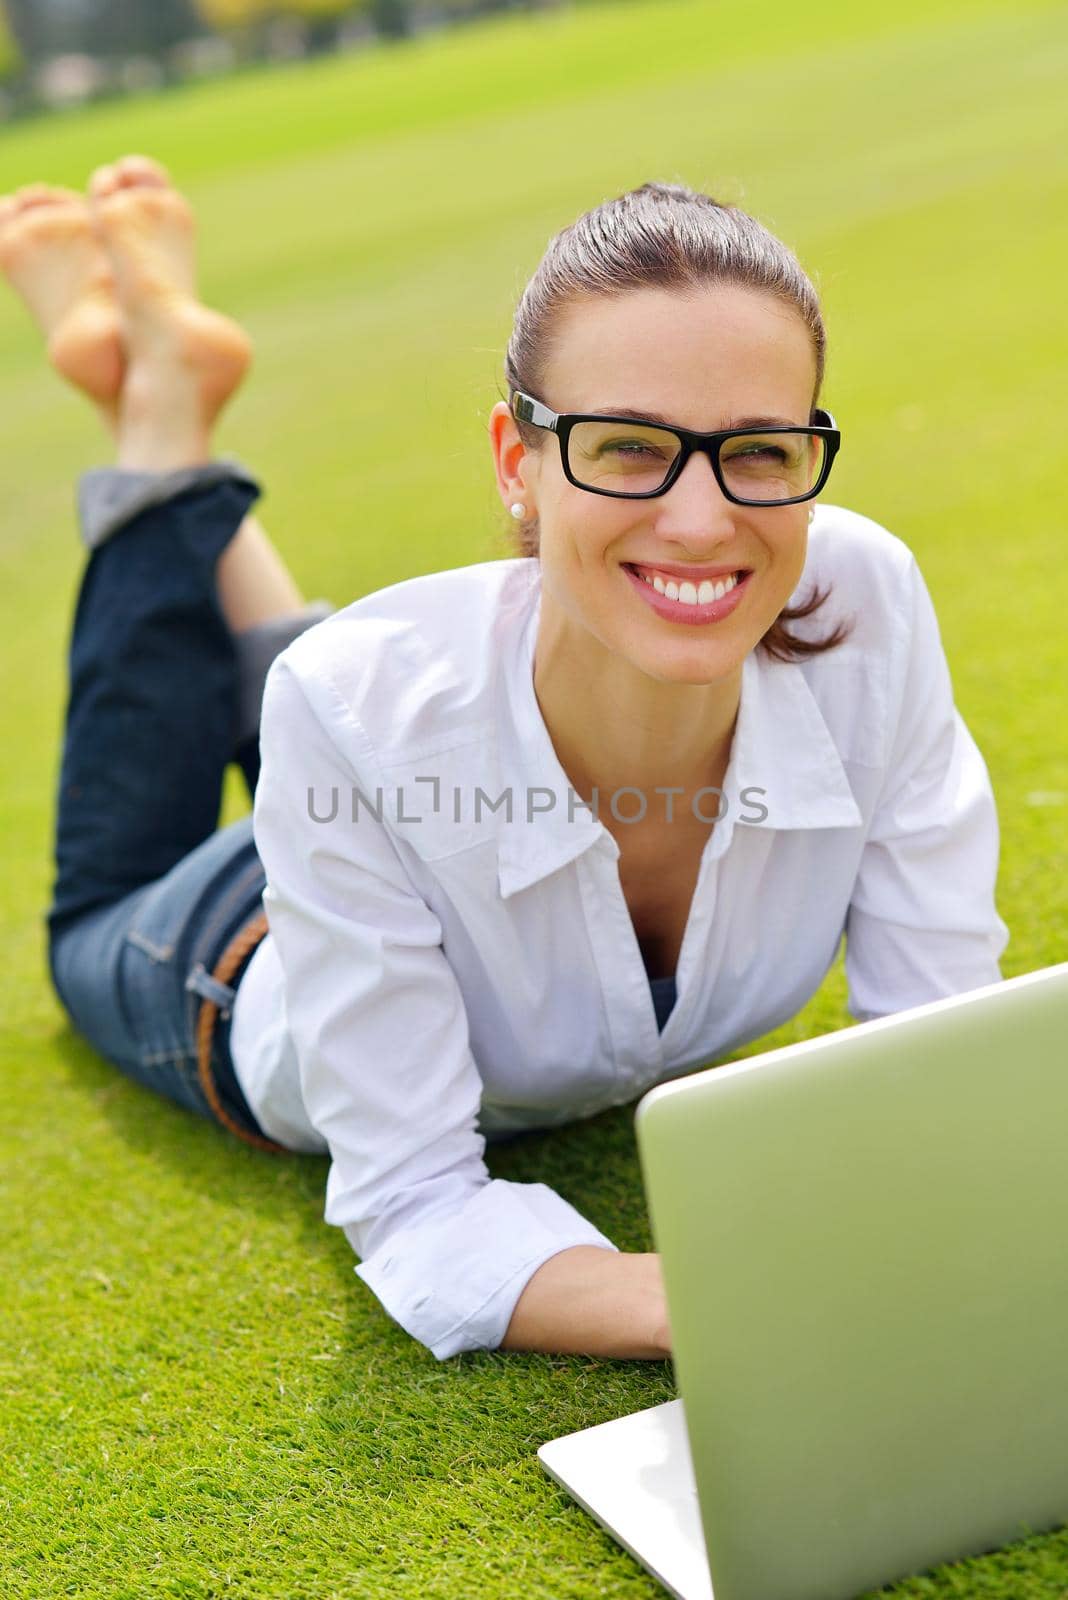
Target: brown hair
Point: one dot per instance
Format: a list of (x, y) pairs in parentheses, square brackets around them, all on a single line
[(665, 236)]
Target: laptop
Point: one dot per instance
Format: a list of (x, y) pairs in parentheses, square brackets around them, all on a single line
[(864, 1243)]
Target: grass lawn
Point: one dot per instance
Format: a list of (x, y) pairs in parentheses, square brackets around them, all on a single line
[(198, 1399)]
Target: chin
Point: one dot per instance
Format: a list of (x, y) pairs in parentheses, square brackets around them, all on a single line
[(690, 665)]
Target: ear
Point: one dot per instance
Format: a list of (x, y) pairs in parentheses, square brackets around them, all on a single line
[(516, 466)]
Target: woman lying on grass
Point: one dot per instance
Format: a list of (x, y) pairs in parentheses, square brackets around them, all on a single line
[(531, 835)]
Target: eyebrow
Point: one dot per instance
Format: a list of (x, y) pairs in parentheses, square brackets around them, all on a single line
[(655, 416)]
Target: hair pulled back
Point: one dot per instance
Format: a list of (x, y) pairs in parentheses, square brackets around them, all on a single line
[(662, 236)]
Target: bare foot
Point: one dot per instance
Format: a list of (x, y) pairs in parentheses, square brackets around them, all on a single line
[(183, 360), (54, 262)]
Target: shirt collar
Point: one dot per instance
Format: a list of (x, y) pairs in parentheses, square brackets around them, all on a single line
[(783, 760)]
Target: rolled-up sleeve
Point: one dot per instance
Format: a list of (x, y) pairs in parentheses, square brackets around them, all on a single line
[(381, 1036), (922, 923)]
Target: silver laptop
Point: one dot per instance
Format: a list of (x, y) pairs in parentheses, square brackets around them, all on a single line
[(864, 1241)]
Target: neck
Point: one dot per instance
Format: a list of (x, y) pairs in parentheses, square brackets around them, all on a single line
[(613, 726)]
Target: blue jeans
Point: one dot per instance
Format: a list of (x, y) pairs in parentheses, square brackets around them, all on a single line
[(148, 894)]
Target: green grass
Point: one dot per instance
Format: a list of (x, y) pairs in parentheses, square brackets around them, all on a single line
[(197, 1397)]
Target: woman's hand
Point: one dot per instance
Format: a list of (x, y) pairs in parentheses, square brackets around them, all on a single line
[(591, 1301), (661, 1325)]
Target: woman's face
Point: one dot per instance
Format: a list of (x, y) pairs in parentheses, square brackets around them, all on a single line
[(716, 358)]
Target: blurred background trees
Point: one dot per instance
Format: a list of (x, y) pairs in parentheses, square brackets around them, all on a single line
[(9, 56), (58, 52), (319, 23), (47, 28)]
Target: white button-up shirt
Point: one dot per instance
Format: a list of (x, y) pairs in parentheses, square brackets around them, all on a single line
[(439, 972)]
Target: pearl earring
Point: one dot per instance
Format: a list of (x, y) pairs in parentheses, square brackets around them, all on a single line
[(811, 512), (518, 510)]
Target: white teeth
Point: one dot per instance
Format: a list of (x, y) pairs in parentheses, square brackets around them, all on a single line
[(690, 594)]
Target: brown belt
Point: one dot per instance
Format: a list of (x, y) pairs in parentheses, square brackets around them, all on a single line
[(228, 963)]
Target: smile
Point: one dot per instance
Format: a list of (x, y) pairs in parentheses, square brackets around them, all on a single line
[(683, 600), (689, 593)]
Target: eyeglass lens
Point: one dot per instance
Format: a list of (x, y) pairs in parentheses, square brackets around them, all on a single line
[(628, 458)]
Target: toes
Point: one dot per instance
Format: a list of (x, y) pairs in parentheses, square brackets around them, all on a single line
[(38, 216), (142, 172), (36, 195), (33, 194), (151, 207), (8, 212), (134, 187), (141, 210), (129, 172), (104, 182)]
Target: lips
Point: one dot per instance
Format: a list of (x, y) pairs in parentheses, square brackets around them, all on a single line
[(692, 610)]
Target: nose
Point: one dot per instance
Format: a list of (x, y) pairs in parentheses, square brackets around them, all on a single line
[(695, 506)]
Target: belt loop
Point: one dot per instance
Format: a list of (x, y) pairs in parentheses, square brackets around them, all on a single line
[(212, 987), (201, 982)]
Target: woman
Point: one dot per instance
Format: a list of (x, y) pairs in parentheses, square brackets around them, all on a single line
[(684, 738)]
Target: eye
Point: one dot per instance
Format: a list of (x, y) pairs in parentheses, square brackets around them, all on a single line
[(632, 449), (759, 452)]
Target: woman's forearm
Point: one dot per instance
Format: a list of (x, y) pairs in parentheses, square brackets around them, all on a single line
[(592, 1301)]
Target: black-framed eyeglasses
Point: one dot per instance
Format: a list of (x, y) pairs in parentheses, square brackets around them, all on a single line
[(632, 459)]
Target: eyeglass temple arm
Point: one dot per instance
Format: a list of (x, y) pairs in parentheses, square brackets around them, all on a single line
[(528, 410)]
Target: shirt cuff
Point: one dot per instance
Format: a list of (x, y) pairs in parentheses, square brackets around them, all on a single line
[(453, 1282), (110, 497)]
